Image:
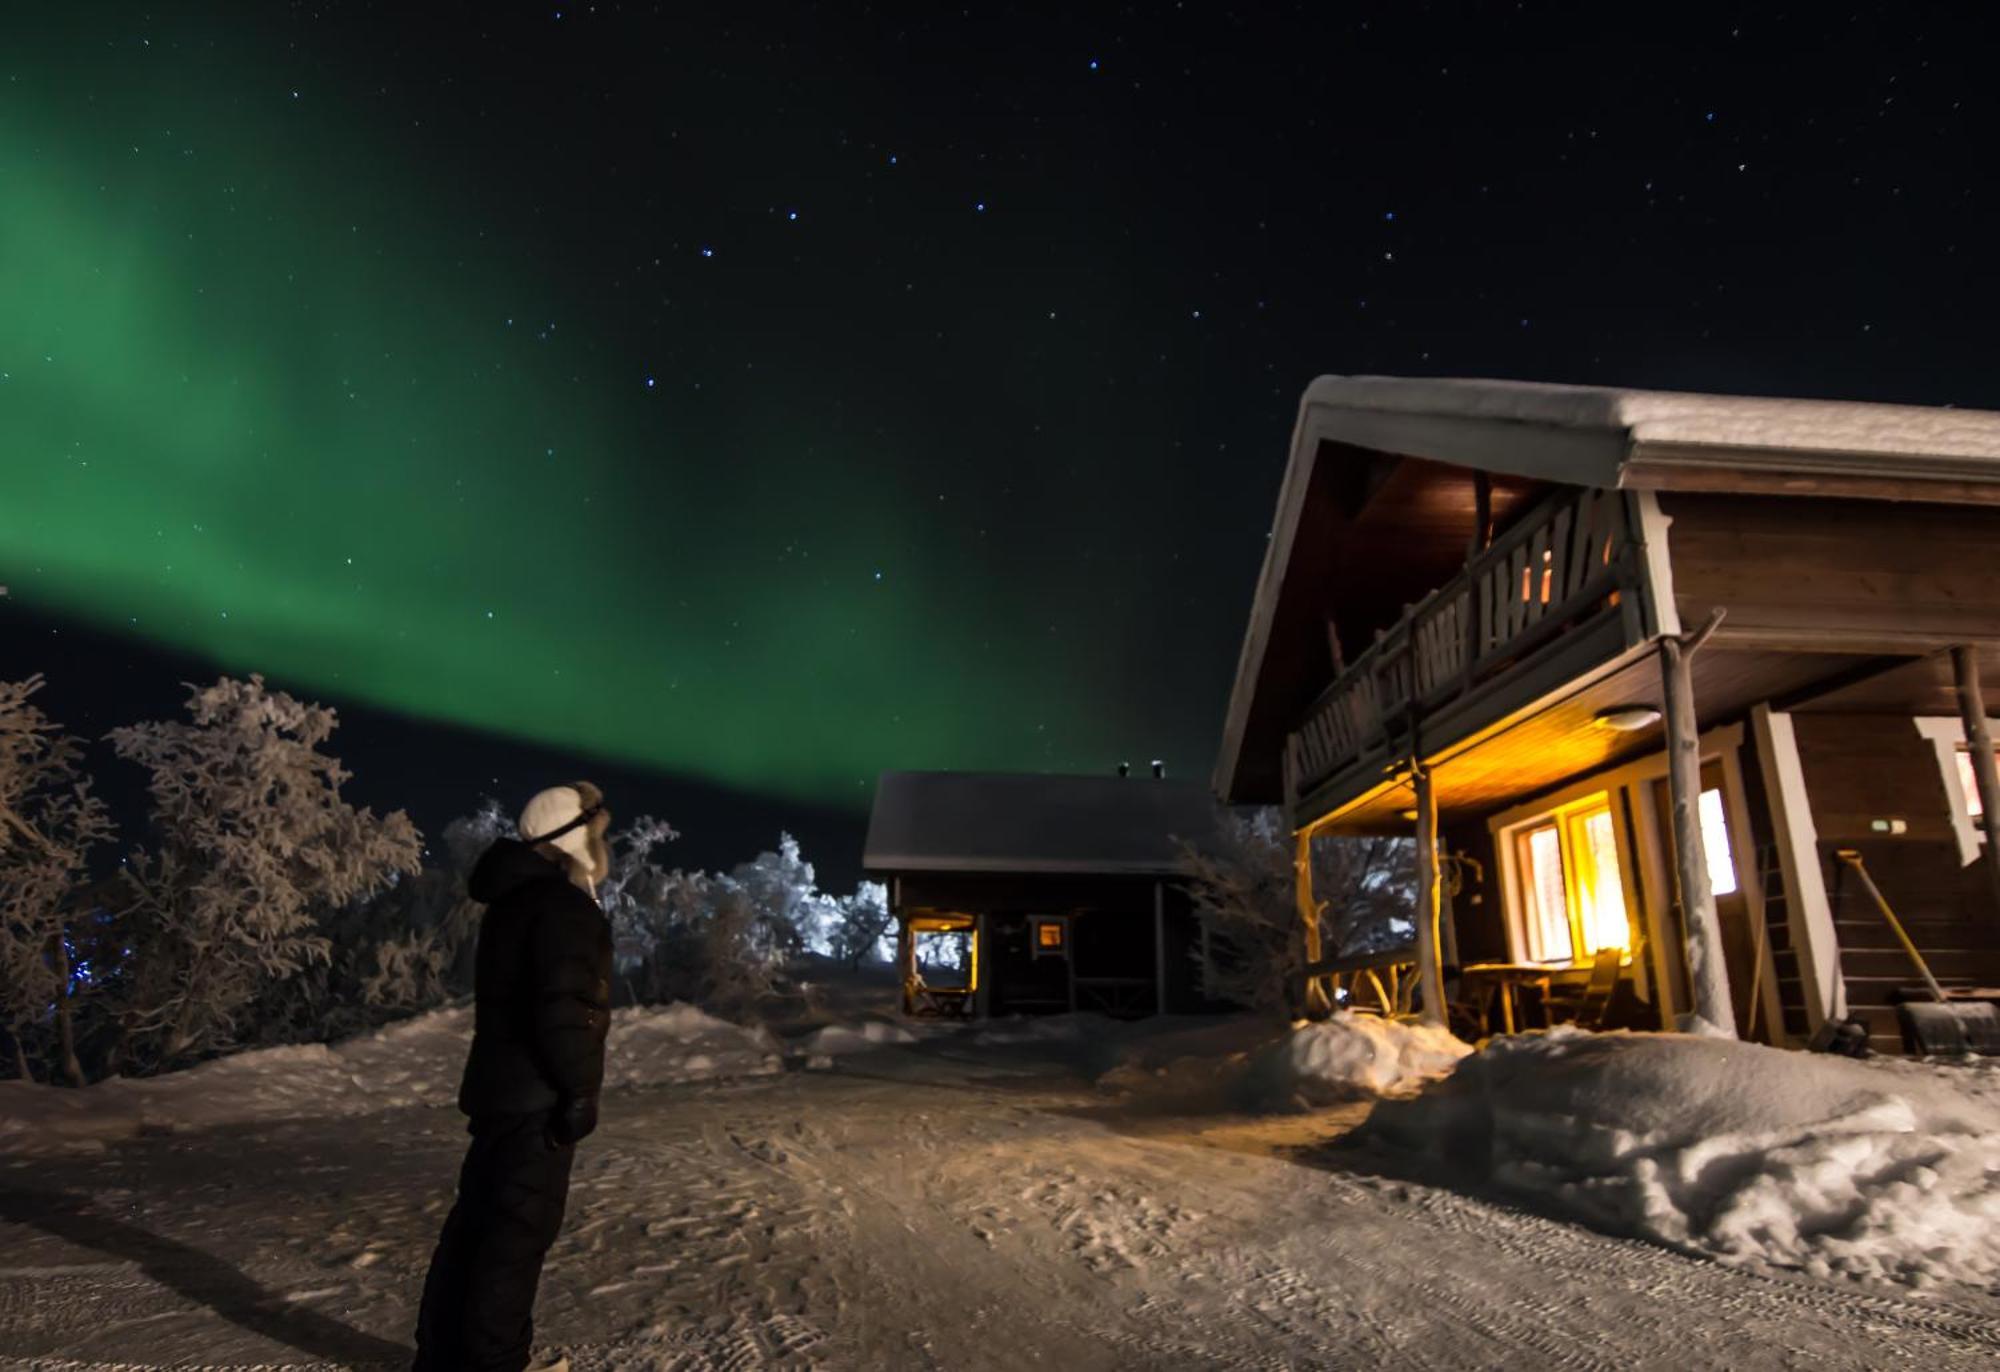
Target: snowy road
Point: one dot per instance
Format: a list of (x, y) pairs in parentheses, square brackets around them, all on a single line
[(912, 1208)]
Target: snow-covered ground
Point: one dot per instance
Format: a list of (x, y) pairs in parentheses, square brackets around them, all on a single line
[(416, 1062), (1075, 1195)]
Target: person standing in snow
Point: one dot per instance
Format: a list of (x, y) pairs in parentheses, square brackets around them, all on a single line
[(542, 1006)]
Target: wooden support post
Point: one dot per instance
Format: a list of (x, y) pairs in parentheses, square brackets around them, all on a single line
[(1979, 743), (1318, 1004), (1430, 966), (1708, 973), (1160, 947)]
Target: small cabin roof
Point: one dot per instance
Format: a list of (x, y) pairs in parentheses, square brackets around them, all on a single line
[(1033, 822), (1599, 436)]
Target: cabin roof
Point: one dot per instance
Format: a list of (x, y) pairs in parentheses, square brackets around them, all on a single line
[(1659, 438), (1599, 436), (1033, 822)]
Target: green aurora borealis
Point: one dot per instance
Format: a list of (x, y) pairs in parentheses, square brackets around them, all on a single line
[(274, 394)]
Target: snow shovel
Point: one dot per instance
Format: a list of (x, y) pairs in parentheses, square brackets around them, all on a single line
[(1944, 1026)]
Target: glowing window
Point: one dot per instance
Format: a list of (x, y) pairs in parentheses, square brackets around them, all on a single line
[(1968, 782), (1715, 845), (1547, 901), (1049, 935), (1600, 892), (1572, 892)]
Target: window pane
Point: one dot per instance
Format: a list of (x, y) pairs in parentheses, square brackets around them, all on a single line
[(1715, 843), (1598, 887), (1969, 784), (1548, 907)]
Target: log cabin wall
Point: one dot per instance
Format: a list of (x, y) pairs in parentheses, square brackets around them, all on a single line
[(1861, 768), (1870, 575)]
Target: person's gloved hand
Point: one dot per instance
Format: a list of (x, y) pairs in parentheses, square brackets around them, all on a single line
[(572, 1120)]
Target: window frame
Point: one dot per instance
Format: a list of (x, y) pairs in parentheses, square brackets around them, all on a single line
[(1946, 735), (1568, 822)]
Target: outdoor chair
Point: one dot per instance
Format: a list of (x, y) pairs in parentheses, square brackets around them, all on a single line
[(1587, 1006)]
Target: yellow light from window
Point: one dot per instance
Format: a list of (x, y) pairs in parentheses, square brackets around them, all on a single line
[(1049, 934), (1599, 890)]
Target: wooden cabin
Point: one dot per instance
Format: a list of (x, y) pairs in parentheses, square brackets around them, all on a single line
[(1025, 893), (1636, 669)]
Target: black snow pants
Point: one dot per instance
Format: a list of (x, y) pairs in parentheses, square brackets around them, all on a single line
[(479, 1299)]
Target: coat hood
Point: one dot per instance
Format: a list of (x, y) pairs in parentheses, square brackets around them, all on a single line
[(507, 866)]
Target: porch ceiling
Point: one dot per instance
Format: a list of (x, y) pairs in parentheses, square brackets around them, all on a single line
[(1556, 741), (1922, 686)]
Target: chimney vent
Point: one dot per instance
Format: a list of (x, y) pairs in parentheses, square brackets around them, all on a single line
[(1124, 769), (1159, 770)]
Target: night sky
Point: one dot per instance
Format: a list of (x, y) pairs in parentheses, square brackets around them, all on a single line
[(730, 402)]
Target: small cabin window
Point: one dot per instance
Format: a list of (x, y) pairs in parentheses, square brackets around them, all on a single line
[(1570, 887), (1968, 783), (1049, 936)]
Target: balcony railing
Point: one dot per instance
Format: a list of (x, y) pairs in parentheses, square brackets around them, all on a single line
[(1565, 564)]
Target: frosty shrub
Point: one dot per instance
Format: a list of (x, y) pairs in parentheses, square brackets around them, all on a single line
[(860, 925), (254, 844), (793, 914), (49, 822), (1241, 883), (402, 950), (722, 942)]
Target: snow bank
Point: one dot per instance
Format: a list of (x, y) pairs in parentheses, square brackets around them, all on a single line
[(1244, 1062), (1349, 1056), (659, 1045), (835, 1039), (416, 1062), (1744, 1153)]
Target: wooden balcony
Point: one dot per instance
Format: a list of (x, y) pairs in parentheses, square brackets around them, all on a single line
[(1560, 591)]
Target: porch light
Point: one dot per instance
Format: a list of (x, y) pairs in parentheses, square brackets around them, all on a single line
[(1628, 719)]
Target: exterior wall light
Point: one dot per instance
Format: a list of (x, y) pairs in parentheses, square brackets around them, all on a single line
[(1628, 719)]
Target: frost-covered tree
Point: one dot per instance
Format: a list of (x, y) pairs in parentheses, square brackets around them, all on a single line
[(1242, 885), (636, 894), (793, 914), (860, 925), (404, 949), (254, 844), (52, 821)]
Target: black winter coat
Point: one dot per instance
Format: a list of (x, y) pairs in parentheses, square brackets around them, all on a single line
[(541, 983)]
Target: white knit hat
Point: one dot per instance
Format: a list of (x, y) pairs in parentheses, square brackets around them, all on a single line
[(561, 816)]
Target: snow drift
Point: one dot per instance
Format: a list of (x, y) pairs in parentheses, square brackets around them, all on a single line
[(835, 1039), (415, 1062), (1743, 1153), (1349, 1056), (1246, 1063)]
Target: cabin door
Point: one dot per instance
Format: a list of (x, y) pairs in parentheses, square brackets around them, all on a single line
[(1721, 844)]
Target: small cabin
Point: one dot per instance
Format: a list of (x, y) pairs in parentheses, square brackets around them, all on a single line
[(1026, 893), (1687, 678)]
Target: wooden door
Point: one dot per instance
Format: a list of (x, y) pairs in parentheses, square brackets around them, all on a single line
[(1726, 868)]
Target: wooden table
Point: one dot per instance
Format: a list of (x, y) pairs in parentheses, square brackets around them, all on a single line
[(1508, 978)]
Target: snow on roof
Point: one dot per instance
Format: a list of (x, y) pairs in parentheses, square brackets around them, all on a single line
[(1659, 437), (1033, 822)]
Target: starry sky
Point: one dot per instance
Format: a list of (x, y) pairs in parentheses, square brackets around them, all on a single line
[(731, 402)]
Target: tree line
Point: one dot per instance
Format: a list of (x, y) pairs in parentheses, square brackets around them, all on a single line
[(262, 908)]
